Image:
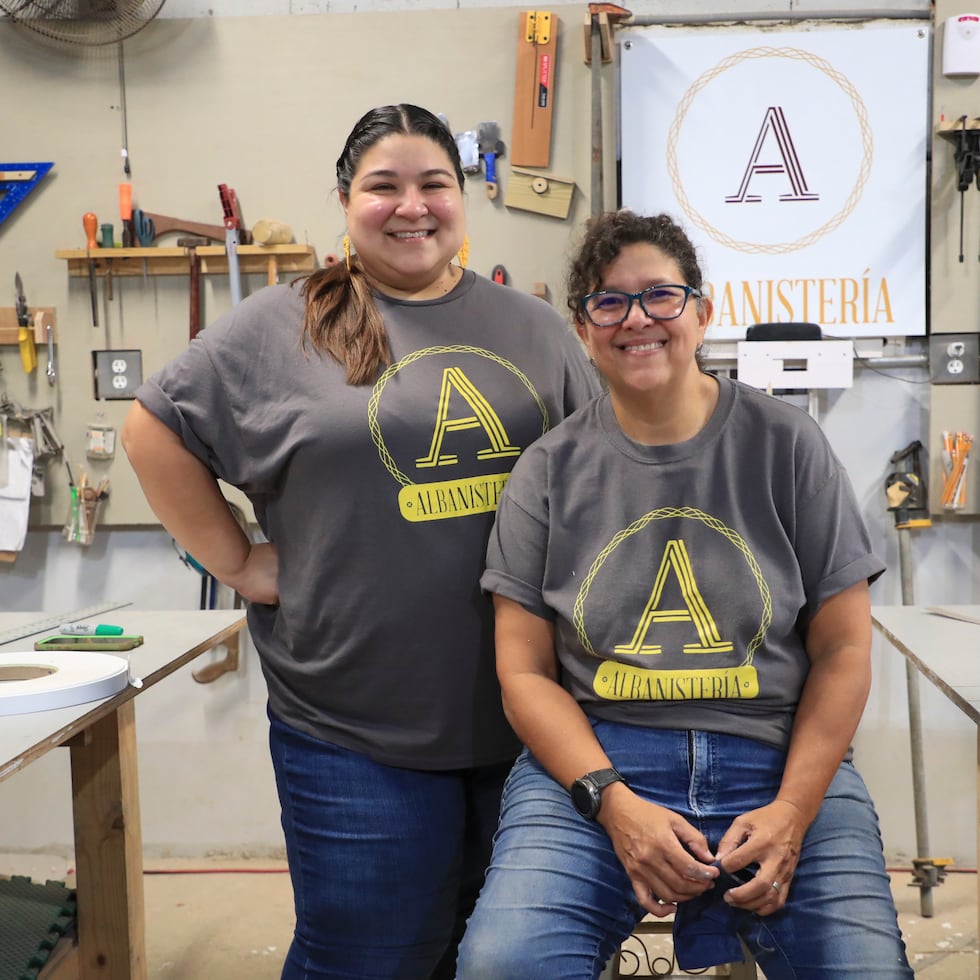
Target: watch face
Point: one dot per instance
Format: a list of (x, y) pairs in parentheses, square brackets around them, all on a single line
[(585, 798)]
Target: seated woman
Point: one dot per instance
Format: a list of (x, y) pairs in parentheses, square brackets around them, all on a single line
[(680, 575)]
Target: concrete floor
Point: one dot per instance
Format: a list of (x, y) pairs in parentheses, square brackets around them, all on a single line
[(216, 919)]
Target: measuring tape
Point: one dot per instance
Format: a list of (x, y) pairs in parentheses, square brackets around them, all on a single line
[(50, 622)]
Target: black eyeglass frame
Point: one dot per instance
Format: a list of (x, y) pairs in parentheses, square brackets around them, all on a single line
[(689, 291)]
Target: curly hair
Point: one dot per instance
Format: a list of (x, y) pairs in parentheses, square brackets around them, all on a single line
[(606, 235)]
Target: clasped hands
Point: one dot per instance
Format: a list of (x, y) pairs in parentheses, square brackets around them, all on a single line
[(669, 861)]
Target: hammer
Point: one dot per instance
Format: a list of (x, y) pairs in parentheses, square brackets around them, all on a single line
[(191, 244)]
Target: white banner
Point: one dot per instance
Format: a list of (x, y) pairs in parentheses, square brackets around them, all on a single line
[(796, 161)]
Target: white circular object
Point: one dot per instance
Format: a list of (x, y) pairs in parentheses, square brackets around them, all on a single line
[(41, 681)]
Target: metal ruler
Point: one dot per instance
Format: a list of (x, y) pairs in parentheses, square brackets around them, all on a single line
[(50, 622)]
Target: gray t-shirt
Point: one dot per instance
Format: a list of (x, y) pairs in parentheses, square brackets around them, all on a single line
[(380, 499), (681, 578)]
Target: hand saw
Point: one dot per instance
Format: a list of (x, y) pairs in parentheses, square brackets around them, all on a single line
[(233, 225)]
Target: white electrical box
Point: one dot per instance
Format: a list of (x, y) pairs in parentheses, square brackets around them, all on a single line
[(802, 364), (961, 45)]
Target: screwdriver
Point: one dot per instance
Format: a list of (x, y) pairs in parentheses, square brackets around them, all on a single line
[(107, 242), (90, 223)]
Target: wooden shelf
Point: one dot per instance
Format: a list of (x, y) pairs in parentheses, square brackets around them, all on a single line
[(953, 129), (170, 261)]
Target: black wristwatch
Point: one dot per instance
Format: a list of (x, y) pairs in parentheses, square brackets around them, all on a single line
[(587, 791)]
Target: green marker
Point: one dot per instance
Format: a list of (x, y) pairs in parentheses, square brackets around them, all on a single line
[(90, 629)]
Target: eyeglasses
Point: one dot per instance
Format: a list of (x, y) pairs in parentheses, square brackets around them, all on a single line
[(609, 307)]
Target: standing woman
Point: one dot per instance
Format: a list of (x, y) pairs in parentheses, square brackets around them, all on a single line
[(680, 574), (372, 416)]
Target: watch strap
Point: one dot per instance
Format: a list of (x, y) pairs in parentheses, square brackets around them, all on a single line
[(603, 777)]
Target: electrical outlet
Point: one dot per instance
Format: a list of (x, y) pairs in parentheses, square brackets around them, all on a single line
[(117, 373), (954, 359)]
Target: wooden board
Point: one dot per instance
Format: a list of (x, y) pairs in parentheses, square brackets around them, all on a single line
[(538, 192), (10, 328), (534, 88)]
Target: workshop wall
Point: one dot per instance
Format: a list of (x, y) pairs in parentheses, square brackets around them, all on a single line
[(262, 102), (955, 263), (211, 101)]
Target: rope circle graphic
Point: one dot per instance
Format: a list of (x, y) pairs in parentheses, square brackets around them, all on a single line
[(867, 145), (389, 463), (663, 513)]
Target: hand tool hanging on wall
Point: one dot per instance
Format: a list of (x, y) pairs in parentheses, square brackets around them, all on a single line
[(598, 51), (143, 228), (17, 180), (490, 148), (126, 214), (469, 151), (966, 158), (25, 333), (108, 242), (50, 372), (90, 223), (144, 231), (534, 87), (233, 228), (906, 489), (162, 224), (194, 263)]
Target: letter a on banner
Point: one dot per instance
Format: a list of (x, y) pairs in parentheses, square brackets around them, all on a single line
[(774, 122)]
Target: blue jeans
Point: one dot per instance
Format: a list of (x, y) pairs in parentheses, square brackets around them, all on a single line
[(386, 863), (558, 903)]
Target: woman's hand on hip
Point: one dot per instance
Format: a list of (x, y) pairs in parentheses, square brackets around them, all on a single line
[(258, 578), (667, 859)]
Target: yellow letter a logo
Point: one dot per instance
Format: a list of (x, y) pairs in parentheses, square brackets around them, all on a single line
[(453, 379), (695, 609)]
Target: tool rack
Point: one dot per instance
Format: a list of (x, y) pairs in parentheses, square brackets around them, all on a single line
[(173, 261), (10, 328)]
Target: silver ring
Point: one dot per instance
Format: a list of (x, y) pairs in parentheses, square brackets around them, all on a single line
[(775, 885)]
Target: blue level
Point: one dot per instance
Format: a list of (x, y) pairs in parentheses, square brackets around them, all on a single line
[(17, 180)]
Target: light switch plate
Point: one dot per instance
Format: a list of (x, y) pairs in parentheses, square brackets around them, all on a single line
[(117, 373)]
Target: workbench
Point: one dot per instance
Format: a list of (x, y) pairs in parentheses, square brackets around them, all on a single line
[(101, 737), (946, 651)]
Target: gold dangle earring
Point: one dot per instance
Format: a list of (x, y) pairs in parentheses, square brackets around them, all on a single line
[(463, 255), (346, 245)]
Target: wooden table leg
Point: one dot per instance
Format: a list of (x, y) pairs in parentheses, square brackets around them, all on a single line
[(108, 849)]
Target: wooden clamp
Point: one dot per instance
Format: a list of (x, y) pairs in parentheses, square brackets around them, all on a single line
[(602, 17)]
